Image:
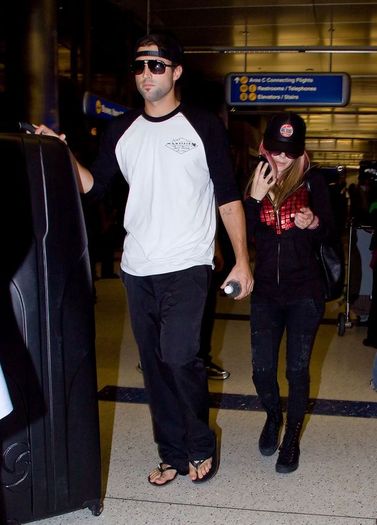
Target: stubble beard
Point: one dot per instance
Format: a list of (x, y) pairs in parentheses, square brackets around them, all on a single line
[(153, 95)]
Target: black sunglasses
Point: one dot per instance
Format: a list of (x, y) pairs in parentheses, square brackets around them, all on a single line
[(156, 67), (288, 155)]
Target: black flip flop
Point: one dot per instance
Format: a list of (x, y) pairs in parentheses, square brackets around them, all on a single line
[(163, 469), (212, 471)]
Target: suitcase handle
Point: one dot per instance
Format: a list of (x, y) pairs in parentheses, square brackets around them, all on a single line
[(25, 126)]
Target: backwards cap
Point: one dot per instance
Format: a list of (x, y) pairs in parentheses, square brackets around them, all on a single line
[(168, 47), (285, 132)]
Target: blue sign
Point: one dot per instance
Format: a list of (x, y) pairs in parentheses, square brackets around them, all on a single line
[(99, 107), (292, 89)]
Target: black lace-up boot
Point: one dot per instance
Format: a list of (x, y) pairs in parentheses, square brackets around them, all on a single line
[(289, 451), (269, 438)]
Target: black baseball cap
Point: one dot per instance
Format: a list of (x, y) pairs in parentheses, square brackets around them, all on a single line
[(285, 132), (167, 44)]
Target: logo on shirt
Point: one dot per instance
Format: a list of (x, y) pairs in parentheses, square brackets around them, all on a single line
[(181, 145)]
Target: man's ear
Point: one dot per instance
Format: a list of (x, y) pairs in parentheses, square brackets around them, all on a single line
[(177, 72)]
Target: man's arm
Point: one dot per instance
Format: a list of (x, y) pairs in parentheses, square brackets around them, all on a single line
[(233, 217), (84, 177)]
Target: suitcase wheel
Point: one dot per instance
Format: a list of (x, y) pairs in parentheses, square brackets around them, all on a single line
[(341, 324), (96, 509)]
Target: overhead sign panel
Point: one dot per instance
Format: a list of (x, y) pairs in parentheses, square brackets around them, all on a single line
[(293, 89)]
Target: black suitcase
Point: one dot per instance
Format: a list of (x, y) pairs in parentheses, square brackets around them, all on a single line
[(50, 457)]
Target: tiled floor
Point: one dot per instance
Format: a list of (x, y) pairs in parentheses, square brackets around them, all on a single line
[(336, 483)]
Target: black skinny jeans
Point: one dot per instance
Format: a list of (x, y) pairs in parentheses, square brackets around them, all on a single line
[(269, 319)]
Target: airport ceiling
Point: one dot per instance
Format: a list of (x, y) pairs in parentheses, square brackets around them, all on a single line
[(277, 36)]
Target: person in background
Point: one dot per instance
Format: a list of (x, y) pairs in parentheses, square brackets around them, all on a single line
[(288, 212), (371, 339), (360, 199), (177, 163), (336, 180), (214, 371), (373, 381), (6, 406)]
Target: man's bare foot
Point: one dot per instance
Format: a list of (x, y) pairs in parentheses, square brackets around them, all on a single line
[(199, 469), (162, 475)]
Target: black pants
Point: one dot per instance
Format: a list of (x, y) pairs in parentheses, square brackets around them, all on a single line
[(166, 313), (372, 319), (269, 319), (208, 320)]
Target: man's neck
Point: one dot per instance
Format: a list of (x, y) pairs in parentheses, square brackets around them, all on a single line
[(160, 108)]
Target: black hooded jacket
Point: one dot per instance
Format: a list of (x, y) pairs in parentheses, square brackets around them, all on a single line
[(286, 266)]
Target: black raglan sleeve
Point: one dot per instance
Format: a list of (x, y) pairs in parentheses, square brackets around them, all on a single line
[(216, 144), (105, 167)]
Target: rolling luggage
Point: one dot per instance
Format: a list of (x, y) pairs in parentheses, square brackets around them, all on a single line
[(50, 456), (359, 279)]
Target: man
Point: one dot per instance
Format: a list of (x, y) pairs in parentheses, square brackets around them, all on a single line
[(175, 160)]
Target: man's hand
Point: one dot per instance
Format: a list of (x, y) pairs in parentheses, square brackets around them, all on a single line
[(233, 217), (242, 274), (85, 178), (44, 130)]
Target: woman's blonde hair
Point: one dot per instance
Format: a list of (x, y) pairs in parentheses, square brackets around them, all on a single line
[(290, 179)]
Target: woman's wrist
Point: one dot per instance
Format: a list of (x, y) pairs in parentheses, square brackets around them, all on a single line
[(257, 199), (314, 224)]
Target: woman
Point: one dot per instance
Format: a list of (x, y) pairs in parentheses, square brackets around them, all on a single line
[(288, 213)]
